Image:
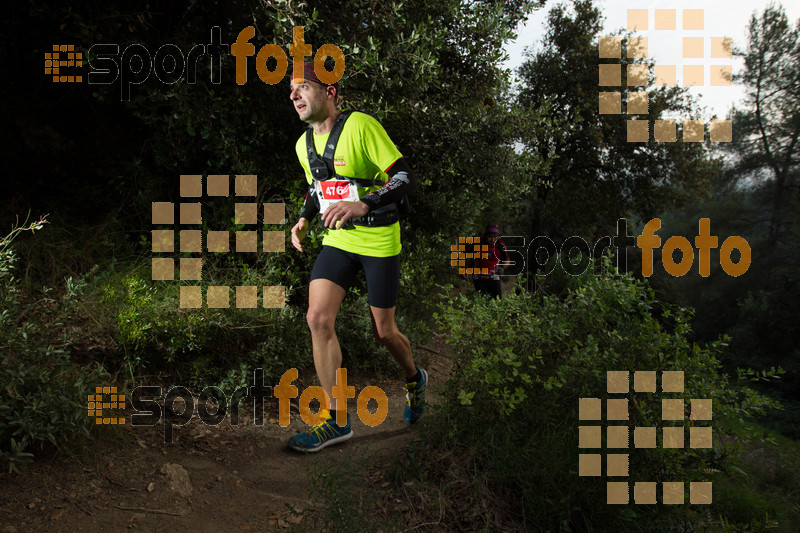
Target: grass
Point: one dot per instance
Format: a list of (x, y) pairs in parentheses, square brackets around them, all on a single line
[(766, 493)]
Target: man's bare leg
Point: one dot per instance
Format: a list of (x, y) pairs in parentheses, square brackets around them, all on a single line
[(385, 329), (324, 299)]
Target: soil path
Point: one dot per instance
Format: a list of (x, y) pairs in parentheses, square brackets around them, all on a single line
[(211, 478)]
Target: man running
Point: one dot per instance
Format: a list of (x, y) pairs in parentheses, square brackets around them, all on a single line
[(362, 232)]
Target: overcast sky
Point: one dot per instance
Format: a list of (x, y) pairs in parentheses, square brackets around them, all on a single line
[(722, 18)]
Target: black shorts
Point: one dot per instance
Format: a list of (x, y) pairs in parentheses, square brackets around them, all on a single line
[(340, 267)]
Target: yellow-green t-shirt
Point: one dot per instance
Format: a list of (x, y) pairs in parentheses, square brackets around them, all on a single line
[(364, 151)]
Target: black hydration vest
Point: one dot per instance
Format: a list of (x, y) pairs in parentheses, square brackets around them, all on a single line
[(322, 168)]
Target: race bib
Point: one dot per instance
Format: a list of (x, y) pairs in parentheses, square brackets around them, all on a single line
[(332, 191)]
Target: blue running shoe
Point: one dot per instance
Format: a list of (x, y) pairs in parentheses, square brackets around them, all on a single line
[(320, 436), (415, 398)]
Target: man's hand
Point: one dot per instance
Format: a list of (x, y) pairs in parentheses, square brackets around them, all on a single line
[(342, 212), (299, 233)]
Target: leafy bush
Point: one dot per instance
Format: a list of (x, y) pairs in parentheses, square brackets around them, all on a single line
[(42, 402), (509, 422), (151, 328)]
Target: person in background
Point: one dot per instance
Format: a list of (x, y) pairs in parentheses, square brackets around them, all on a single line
[(488, 282)]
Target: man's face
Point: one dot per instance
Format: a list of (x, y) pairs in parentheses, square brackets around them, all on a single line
[(491, 237), (310, 101)]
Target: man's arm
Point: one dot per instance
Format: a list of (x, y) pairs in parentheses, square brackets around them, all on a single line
[(401, 182), (310, 205)]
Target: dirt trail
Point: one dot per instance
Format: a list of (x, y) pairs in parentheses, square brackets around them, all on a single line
[(220, 478)]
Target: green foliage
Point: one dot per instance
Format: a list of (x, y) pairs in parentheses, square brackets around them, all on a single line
[(754, 199), (768, 122), (510, 415), (765, 494), (596, 176), (150, 323), (42, 402)]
